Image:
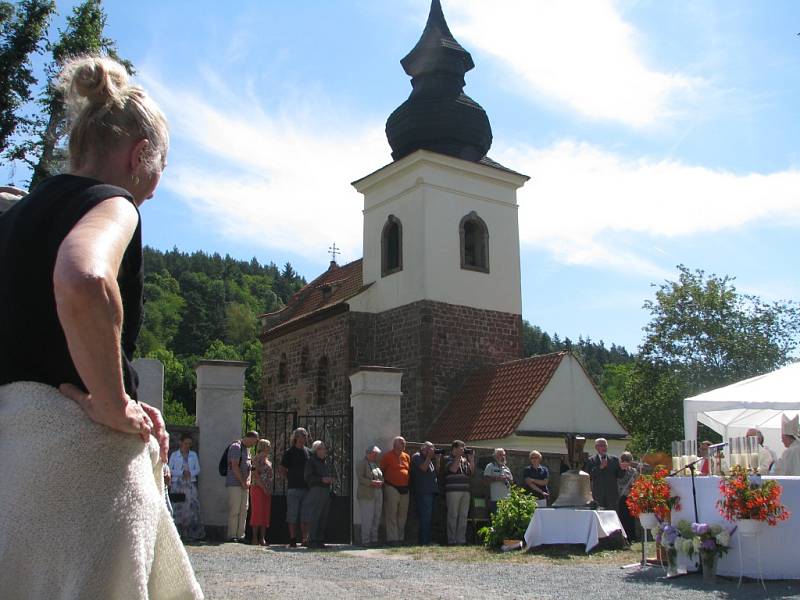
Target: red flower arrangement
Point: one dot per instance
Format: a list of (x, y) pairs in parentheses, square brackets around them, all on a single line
[(651, 494), (746, 499)]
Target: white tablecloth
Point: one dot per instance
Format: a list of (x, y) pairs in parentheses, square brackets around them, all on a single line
[(779, 558), (571, 526)]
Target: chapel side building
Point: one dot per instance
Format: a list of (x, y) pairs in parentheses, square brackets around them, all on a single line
[(437, 293)]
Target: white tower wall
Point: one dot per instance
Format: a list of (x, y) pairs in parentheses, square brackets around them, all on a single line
[(430, 193)]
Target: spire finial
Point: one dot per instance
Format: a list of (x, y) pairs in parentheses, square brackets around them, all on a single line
[(438, 116), (333, 251)]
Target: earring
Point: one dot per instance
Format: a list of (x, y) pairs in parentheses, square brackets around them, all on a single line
[(135, 179)]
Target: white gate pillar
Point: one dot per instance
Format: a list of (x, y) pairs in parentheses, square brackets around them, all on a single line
[(151, 381), (220, 398), (375, 398)]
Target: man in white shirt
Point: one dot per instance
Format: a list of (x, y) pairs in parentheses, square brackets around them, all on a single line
[(499, 477), (789, 463), (765, 456)]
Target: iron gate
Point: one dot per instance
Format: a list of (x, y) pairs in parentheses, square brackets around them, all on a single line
[(336, 430)]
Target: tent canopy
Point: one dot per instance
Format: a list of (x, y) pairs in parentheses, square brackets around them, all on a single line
[(757, 402)]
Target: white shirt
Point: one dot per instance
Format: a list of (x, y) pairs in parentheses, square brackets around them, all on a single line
[(789, 463), (498, 489), (176, 465)]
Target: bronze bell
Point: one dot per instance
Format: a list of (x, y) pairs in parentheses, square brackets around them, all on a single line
[(575, 488)]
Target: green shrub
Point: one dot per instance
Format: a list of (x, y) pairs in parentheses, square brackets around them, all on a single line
[(511, 518)]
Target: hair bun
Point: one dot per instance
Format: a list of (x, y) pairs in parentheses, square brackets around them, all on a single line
[(98, 79)]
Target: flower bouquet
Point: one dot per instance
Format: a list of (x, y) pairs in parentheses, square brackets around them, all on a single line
[(709, 541), (667, 537), (651, 494), (748, 497)]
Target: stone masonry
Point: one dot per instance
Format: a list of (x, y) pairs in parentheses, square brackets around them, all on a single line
[(436, 345)]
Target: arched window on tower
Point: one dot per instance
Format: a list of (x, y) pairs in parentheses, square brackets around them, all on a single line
[(282, 369), (391, 246), (322, 381), (474, 237)]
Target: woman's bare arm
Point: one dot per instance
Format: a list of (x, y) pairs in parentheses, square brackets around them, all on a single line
[(90, 310)]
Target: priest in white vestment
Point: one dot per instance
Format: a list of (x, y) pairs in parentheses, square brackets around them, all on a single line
[(789, 463), (766, 457)]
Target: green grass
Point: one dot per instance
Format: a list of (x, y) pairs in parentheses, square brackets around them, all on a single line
[(556, 554)]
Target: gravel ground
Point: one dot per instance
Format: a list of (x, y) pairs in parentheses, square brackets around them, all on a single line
[(235, 571)]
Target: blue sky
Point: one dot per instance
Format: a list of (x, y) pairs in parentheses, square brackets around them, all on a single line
[(655, 133)]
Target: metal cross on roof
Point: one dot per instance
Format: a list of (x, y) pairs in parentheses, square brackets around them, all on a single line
[(333, 251)]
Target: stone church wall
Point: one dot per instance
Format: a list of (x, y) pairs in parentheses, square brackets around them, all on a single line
[(437, 345), (303, 349)]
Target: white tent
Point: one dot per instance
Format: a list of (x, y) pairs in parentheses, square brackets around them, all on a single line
[(756, 402)]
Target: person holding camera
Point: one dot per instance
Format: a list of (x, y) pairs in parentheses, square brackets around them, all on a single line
[(459, 468), (426, 486), (499, 477)]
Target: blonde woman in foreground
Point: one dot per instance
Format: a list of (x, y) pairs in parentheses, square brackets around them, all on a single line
[(71, 306)]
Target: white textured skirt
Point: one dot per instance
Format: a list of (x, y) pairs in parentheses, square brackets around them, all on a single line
[(82, 511)]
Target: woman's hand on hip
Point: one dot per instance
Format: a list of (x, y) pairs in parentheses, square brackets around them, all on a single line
[(126, 416), (159, 429)]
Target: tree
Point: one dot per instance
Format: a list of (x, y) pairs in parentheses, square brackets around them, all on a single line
[(712, 335), (163, 311), (703, 334), (22, 30), (83, 35)]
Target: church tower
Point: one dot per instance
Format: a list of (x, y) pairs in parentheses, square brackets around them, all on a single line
[(441, 232), (437, 293), (440, 222)]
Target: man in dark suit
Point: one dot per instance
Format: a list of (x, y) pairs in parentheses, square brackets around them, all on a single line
[(604, 470)]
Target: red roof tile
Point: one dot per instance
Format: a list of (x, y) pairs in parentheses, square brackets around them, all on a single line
[(334, 286), (493, 400)]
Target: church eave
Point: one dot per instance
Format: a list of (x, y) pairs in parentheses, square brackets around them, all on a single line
[(304, 321)]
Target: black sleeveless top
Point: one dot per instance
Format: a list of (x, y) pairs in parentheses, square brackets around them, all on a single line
[(32, 342)]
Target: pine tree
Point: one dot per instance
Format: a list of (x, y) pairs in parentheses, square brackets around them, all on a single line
[(22, 30)]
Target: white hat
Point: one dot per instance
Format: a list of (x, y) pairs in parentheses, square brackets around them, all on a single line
[(790, 426)]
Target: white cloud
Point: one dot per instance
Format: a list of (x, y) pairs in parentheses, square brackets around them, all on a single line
[(282, 181), (580, 54), (274, 181), (589, 206)]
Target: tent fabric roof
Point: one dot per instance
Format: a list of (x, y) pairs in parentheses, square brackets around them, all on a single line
[(756, 402), (493, 401)]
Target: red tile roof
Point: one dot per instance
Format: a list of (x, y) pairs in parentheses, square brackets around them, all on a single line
[(333, 287), (494, 400)]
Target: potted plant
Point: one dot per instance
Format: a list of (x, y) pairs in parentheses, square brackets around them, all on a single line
[(749, 501), (650, 499), (709, 541), (509, 522)]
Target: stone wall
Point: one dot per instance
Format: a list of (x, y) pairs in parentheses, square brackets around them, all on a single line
[(436, 345), (303, 349)]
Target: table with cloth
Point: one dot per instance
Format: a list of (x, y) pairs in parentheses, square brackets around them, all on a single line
[(571, 526), (777, 544)]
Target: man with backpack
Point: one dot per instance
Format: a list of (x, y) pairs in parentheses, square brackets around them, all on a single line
[(237, 480)]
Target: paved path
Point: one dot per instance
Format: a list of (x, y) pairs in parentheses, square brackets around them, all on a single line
[(234, 571)]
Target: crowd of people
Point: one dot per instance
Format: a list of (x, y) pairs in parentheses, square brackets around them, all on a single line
[(386, 483)]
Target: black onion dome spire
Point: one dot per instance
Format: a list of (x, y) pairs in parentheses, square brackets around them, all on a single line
[(438, 116)]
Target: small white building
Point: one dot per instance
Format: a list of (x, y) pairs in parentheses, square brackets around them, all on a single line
[(529, 404)]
